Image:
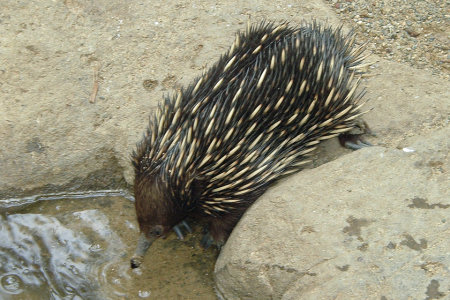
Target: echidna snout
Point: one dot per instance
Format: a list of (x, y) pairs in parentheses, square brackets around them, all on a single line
[(144, 243)]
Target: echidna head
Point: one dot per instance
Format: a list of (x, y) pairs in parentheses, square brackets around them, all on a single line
[(155, 212)]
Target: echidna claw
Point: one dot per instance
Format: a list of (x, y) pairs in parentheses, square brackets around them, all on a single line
[(353, 141), (206, 241), (365, 143), (178, 232), (178, 229), (186, 225), (351, 145), (358, 145)]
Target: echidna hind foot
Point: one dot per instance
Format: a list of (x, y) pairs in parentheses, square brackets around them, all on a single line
[(215, 237), (209, 239), (217, 230)]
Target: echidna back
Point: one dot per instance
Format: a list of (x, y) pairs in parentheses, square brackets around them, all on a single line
[(254, 116)]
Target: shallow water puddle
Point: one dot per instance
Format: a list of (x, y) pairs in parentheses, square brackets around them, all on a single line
[(79, 248)]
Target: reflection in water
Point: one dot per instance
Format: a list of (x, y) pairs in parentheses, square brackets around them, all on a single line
[(12, 284), (50, 260), (79, 248)]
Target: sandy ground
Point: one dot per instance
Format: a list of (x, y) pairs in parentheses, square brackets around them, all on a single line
[(79, 79)]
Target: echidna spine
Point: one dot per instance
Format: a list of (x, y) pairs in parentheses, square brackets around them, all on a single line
[(215, 146)]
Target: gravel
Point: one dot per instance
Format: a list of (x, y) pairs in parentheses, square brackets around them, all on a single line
[(415, 32)]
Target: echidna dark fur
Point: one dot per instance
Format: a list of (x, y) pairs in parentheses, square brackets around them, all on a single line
[(213, 148)]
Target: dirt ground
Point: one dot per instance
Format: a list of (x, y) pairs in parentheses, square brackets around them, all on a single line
[(411, 32), (78, 79)]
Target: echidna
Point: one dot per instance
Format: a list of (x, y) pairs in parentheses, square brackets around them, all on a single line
[(214, 147)]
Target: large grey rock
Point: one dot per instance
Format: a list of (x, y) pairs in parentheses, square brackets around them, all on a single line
[(373, 224)]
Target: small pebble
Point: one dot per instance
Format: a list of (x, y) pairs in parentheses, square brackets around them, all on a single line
[(408, 150), (144, 294)]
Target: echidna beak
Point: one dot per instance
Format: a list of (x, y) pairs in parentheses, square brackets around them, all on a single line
[(143, 244)]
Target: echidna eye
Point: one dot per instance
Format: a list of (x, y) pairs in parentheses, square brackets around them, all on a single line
[(157, 230)]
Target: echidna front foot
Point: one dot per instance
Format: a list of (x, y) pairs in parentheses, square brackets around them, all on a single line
[(179, 231), (354, 139)]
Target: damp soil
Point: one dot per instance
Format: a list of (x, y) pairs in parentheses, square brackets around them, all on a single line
[(80, 249)]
